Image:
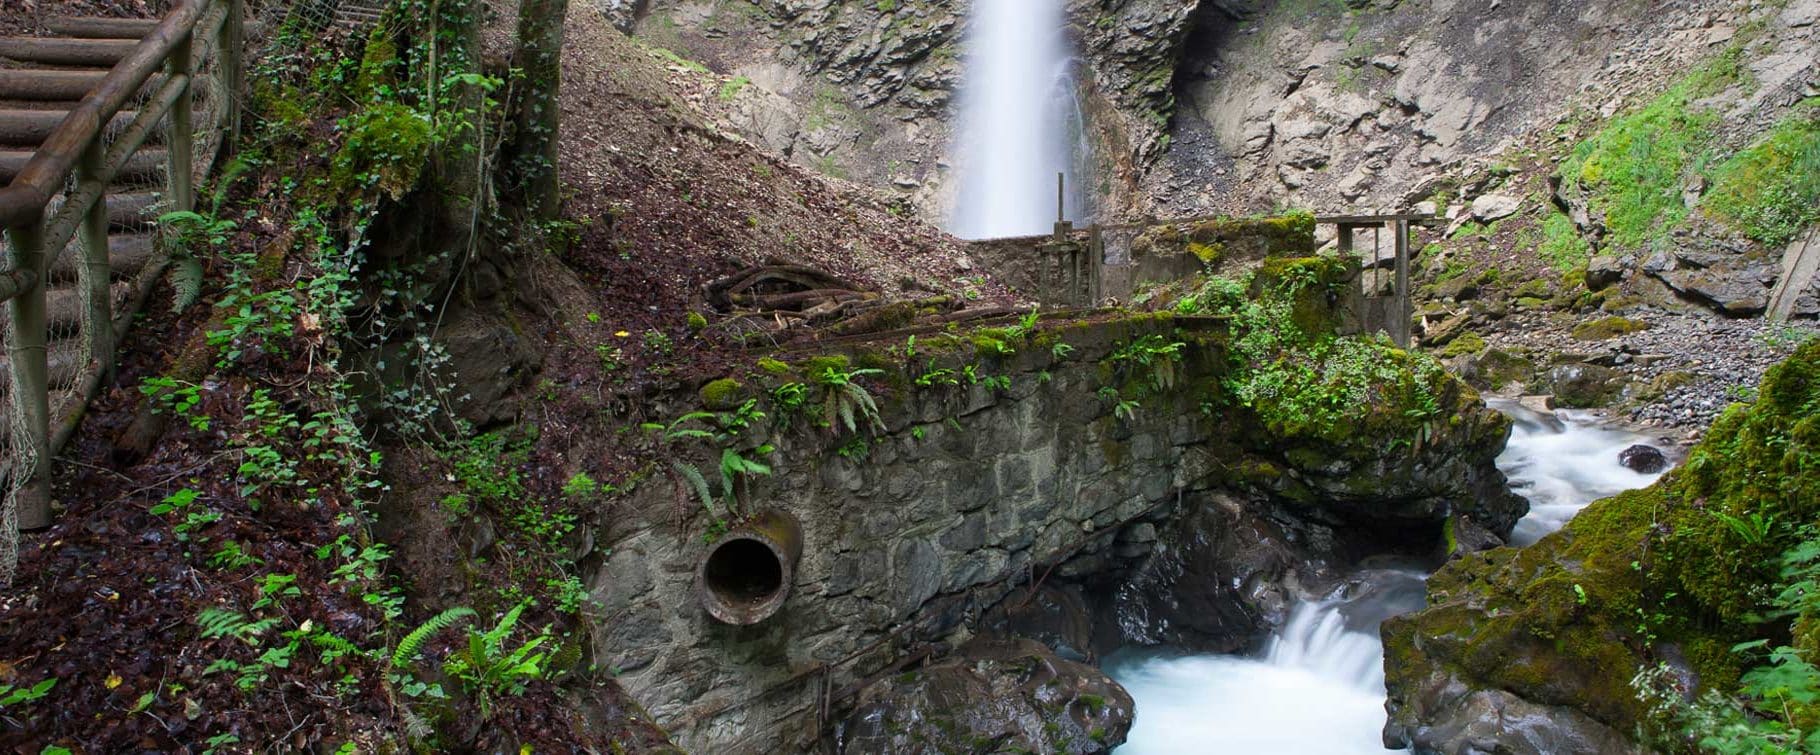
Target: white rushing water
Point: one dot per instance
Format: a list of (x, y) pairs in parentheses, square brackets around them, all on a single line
[(1020, 123), (1562, 461), (1319, 685), (1317, 688)]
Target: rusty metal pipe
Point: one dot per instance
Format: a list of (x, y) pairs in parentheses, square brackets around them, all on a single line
[(746, 575)]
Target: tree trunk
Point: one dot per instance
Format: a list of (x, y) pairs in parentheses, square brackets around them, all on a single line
[(532, 158)]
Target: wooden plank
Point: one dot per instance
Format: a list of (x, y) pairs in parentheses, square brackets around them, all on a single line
[(101, 53), (47, 84), (97, 27)]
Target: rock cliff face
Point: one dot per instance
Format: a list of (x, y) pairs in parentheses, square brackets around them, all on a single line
[(864, 90), (1243, 105)]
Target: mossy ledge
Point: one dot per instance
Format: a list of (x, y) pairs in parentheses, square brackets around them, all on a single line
[(1655, 576)]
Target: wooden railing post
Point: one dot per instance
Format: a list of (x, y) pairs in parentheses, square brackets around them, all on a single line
[(98, 316), (182, 133), (1405, 308), (229, 61), (31, 382)]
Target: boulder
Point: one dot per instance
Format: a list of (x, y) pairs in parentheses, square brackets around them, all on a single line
[(1218, 581), (1463, 536), (1014, 695), (1643, 459), (1581, 386), (1534, 649), (1494, 206), (1603, 271), (1055, 615)]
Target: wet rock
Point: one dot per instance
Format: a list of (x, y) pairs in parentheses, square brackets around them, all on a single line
[(1538, 403), (1497, 721), (1216, 582), (1643, 459), (1055, 615), (1467, 536), (1013, 695)]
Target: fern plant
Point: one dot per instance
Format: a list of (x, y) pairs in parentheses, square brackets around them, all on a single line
[(408, 648), (844, 398), (486, 667), (186, 233), (226, 622)]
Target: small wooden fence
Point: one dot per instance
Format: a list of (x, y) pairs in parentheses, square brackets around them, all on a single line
[(57, 205)]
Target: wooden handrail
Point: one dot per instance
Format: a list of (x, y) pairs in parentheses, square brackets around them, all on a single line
[(23, 201)]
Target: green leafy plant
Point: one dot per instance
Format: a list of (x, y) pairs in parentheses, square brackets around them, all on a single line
[(176, 397), (11, 696), (488, 666)]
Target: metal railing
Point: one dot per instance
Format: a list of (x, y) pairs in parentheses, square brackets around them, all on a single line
[(191, 57)]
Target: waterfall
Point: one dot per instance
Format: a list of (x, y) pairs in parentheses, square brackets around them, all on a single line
[(1318, 687), (1020, 122)]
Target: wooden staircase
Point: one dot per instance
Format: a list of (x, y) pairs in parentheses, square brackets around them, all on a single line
[(42, 80), (104, 125)]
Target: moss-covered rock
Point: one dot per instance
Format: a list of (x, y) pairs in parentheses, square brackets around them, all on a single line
[(1463, 344), (1217, 240), (1675, 573), (1607, 327), (1581, 386), (725, 393)]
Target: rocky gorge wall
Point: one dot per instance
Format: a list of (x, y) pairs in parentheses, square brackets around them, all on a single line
[(1105, 456), (864, 90)]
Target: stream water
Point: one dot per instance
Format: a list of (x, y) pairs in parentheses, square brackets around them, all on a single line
[(1318, 686)]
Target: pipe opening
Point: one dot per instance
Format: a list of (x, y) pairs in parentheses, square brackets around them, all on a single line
[(746, 577), (744, 572)]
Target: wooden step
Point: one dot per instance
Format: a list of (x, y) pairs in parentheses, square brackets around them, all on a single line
[(64, 357), (126, 256), (147, 164), (57, 51), (97, 27), (133, 212), (47, 84), (29, 128)]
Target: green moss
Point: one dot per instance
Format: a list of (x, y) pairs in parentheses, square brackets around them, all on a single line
[(1208, 253), (1498, 368), (1562, 245), (1465, 343), (1690, 562), (1633, 170), (387, 147), (1535, 288), (817, 366), (773, 367), (379, 67), (697, 321), (724, 393), (1607, 327)]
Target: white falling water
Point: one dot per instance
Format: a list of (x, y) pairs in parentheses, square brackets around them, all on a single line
[(1317, 689), (1019, 123), (1319, 685)]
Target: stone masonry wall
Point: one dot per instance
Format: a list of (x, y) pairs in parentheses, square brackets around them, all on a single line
[(964, 493)]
